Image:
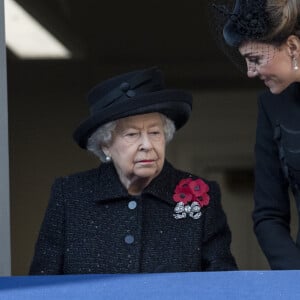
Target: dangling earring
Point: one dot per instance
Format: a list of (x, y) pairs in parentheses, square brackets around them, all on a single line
[(295, 63), (107, 158)]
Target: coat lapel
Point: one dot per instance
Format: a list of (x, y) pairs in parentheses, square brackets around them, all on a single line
[(108, 187)]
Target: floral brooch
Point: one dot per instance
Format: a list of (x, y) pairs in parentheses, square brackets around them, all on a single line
[(190, 195)]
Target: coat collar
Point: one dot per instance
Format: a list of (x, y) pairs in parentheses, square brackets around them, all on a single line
[(108, 187)]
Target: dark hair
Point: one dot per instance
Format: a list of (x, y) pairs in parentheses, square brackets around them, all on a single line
[(284, 20), (269, 21)]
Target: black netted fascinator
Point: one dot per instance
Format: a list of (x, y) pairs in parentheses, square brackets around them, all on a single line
[(233, 22), (247, 21)]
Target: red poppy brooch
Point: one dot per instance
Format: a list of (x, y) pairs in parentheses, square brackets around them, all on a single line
[(190, 195)]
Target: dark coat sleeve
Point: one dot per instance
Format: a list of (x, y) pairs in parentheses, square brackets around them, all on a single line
[(272, 205), (50, 241), (217, 237)]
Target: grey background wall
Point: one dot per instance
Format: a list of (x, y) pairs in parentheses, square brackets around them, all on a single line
[(46, 100)]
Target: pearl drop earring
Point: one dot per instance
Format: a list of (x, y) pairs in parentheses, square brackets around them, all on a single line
[(107, 158), (295, 63)]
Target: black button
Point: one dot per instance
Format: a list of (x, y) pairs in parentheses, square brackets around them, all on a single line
[(129, 239), (124, 86), (130, 93), (132, 204)]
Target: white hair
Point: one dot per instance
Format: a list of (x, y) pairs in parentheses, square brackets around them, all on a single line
[(102, 136)]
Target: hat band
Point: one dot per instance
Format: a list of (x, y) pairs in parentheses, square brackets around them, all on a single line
[(127, 89)]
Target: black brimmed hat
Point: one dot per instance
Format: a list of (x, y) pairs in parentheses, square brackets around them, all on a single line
[(137, 92)]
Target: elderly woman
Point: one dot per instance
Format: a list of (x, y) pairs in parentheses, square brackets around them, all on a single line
[(135, 213), (267, 36)]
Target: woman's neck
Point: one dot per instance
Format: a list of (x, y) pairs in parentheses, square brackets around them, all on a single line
[(135, 185)]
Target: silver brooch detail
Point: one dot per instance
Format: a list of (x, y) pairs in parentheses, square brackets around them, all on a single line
[(182, 211)]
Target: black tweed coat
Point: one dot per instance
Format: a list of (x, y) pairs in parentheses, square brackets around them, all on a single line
[(92, 225), (277, 153)]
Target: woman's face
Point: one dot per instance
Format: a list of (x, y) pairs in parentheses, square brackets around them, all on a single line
[(271, 64), (138, 147)]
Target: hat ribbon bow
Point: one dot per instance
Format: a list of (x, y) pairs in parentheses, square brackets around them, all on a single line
[(125, 90)]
